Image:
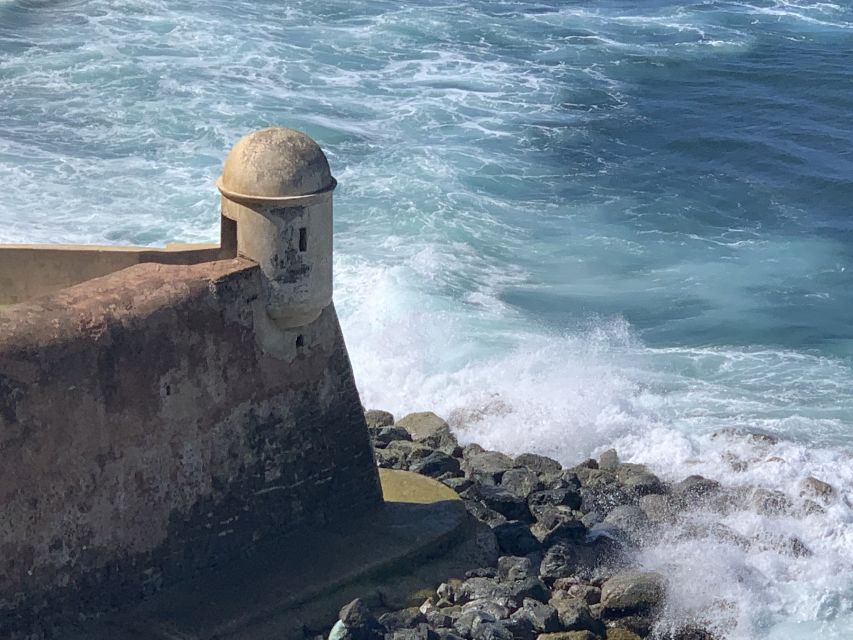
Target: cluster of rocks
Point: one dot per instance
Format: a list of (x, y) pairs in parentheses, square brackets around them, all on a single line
[(562, 541), (560, 537)]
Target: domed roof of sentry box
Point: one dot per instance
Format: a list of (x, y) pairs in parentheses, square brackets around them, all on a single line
[(275, 163)]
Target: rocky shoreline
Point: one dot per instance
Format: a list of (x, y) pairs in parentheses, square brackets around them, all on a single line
[(561, 538)]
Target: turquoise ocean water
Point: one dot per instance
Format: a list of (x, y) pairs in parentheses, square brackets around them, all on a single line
[(570, 225)]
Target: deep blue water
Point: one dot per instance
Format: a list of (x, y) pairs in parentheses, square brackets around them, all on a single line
[(579, 224)]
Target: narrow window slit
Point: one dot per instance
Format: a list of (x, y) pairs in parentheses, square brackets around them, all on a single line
[(300, 341), (303, 239)]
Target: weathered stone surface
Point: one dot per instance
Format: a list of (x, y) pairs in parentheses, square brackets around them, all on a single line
[(609, 460), (422, 424), (184, 443), (514, 538), (515, 568), (695, 487), (521, 482), (537, 463), (383, 436), (815, 488), (376, 418), (486, 467), (542, 618), (436, 464), (632, 592), (564, 497), (508, 504), (574, 614), (531, 587), (403, 618)]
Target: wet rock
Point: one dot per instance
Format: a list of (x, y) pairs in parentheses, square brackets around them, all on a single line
[(514, 538), (508, 504), (768, 502), (448, 590), (482, 572), (627, 523), (448, 634), (658, 508), (692, 632), (436, 464), (486, 467), (810, 508), (643, 484), (814, 488), (521, 482), (695, 487), (376, 418), (542, 618), (609, 460), (537, 463), (632, 592)]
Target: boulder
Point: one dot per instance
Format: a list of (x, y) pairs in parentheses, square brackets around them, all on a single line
[(459, 485), (514, 538), (423, 425), (542, 618), (516, 568), (486, 467), (694, 487), (537, 463), (609, 460), (559, 529), (814, 488), (358, 623), (499, 608), (658, 508), (378, 418), (508, 504), (630, 523), (632, 592), (563, 497), (436, 464), (383, 436), (558, 562), (532, 588), (522, 482), (484, 513), (574, 614)]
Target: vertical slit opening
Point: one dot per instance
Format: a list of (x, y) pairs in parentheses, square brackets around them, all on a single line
[(300, 341), (303, 239)]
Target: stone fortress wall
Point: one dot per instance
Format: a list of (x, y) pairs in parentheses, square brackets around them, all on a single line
[(162, 411)]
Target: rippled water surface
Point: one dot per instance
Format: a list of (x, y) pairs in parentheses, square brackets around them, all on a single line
[(620, 223)]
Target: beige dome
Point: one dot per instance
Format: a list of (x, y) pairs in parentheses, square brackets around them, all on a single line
[(275, 163)]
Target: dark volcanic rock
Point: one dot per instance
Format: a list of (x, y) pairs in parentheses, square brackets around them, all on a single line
[(537, 463), (564, 497), (404, 618), (508, 504), (521, 482), (574, 614), (436, 464), (514, 538), (609, 460), (516, 568)]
